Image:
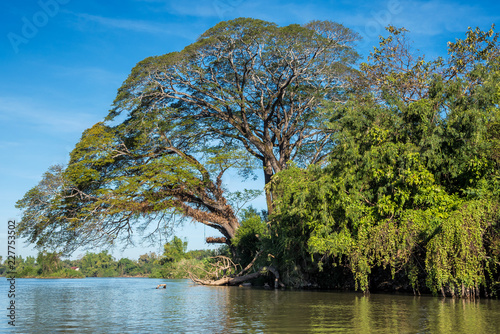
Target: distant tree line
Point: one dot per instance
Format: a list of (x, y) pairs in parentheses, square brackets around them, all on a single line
[(175, 262)]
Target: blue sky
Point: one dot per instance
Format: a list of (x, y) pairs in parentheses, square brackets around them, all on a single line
[(62, 61)]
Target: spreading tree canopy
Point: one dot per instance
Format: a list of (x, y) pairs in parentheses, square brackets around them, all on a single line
[(246, 94)]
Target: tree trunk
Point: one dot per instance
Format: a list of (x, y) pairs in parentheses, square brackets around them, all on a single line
[(268, 174)]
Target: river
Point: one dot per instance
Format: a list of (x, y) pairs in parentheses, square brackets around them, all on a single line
[(134, 305)]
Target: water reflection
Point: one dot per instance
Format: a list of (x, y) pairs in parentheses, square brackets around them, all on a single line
[(131, 305), (326, 312)]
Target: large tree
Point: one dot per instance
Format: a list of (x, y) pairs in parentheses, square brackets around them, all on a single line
[(246, 92), (250, 82)]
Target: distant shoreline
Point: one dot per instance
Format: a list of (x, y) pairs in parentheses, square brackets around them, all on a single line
[(57, 277)]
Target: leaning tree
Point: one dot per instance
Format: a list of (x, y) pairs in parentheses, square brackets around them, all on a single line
[(247, 94)]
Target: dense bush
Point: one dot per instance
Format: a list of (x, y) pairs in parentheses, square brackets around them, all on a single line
[(411, 191)]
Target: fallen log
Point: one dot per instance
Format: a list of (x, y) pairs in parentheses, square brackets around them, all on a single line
[(226, 280), (239, 279)]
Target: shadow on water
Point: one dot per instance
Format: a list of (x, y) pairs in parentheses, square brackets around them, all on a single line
[(133, 305)]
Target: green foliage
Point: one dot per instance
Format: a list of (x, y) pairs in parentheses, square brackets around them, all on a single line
[(175, 250), (177, 263), (299, 202), (66, 273), (46, 265), (200, 254), (127, 267), (3, 267), (250, 235), (48, 262), (252, 228), (98, 265), (180, 269), (456, 255), (412, 182), (29, 271)]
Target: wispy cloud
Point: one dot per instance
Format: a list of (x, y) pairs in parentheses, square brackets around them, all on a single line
[(205, 9), (96, 75), (5, 144), (26, 114), (438, 17), (421, 17), (140, 26)]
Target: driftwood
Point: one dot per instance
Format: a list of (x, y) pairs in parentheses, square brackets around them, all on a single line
[(226, 280), (226, 268), (240, 279)]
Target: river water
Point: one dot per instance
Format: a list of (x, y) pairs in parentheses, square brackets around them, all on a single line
[(134, 305)]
